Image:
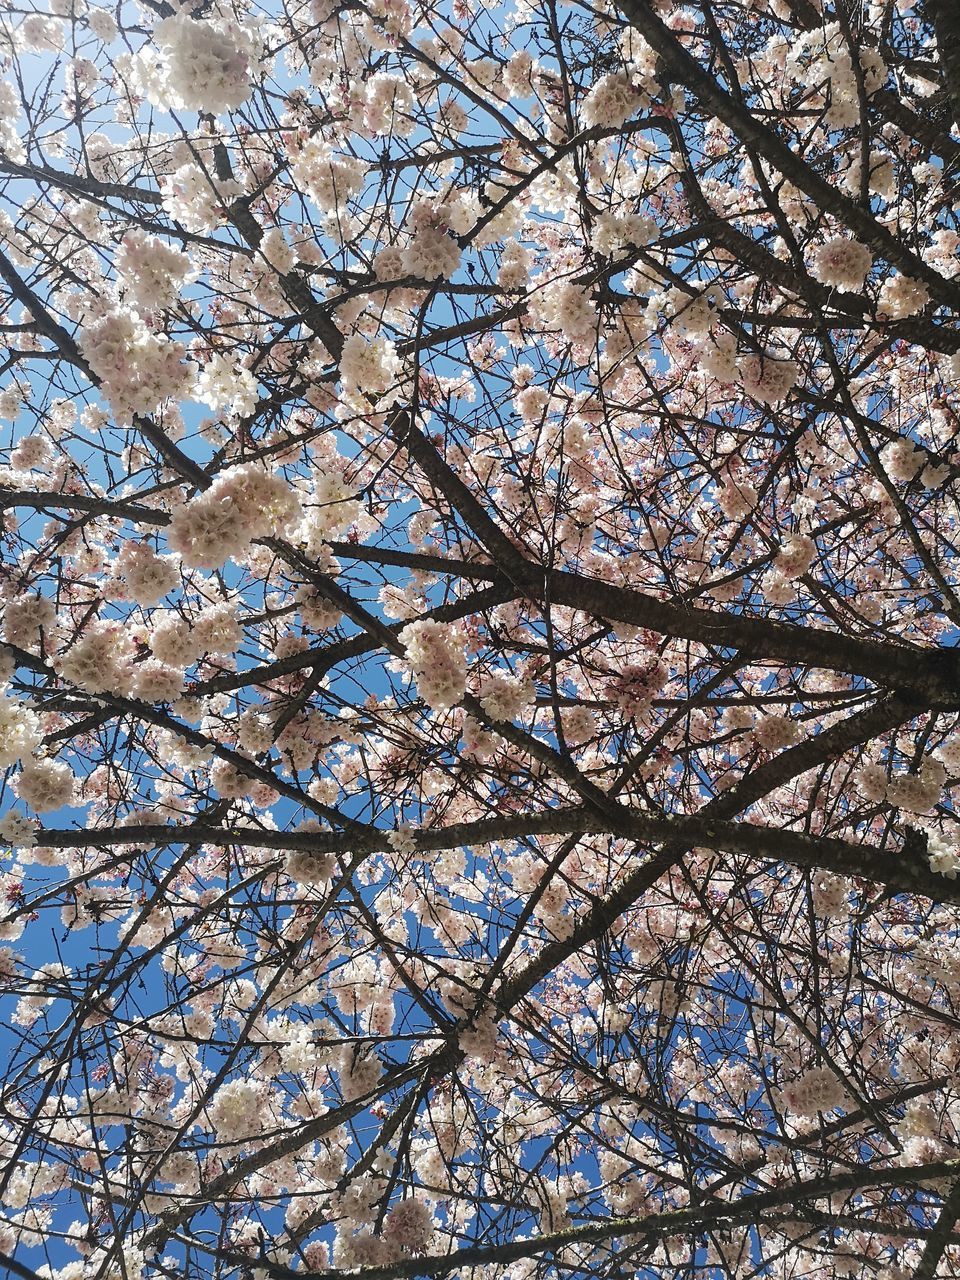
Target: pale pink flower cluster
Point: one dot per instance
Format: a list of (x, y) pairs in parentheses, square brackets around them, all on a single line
[(566, 307), (32, 452), (818, 1089), (19, 730), (310, 868), (431, 254), (872, 782), (773, 733), (900, 297), (767, 380), (370, 368), (842, 263), (18, 831), (902, 460), (504, 696), (137, 370), (403, 839), (614, 232), (436, 652), (480, 1040), (11, 143), (142, 576), (202, 66), (330, 180), (333, 509), (99, 660), (243, 503), (820, 62), (45, 785), (235, 1112), (795, 556), (173, 641), (718, 357), (229, 781), (216, 629), (389, 106), (101, 22), (943, 858), (611, 102), (226, 384), (635, 686), (918, 792), (514, 265), (196, 198), (409, 1226), (736, 499), (151, 272), (154, 681), (830, 895), (26, 618)]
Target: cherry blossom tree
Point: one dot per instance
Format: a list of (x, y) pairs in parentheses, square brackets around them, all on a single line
[(481, 704)]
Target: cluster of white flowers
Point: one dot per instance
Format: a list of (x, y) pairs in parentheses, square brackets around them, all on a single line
[(243, 503), (409, 1226), (902, 460), (198, 65), (900, 297), (612, 100), (235, 1111), (226, 384), (842, 263), (332, 511), (718, 357), (943, 857), (140, 575), (566, 308), (613, 232), (137, 369), (773, 733), (736, 499), (370, 367), (172, 640), (25, 618), (19, 730), (635, 686), (11, 143), (32, 452), (504, 696), (818, 1089), (310, 868), (821, 59), (403, 839), (151, 272), (389, 106), (691, 317), (154, 681), (99, 660), (431, 254), (830, 895), (872, 782), (196, 198), (480, 1039), (45, 785), (918, 792), (514, 265), (795, 556), (329, 179), (767, 380), (18, 831), (436, 653)]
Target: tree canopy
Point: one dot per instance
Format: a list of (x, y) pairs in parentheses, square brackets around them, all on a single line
[(479, 584)]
